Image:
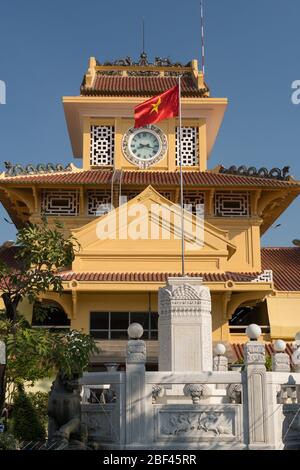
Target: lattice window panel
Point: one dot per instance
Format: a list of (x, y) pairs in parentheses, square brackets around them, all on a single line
[(98, 202), (102, 145), (265, 276), (232, 204), (194, 201), (189, 146), (61, 202)]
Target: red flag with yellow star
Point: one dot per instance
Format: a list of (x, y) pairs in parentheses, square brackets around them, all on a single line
[(156, 109)]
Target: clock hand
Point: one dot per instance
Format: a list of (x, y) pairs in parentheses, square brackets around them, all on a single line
[(148, 146), (145, 146)]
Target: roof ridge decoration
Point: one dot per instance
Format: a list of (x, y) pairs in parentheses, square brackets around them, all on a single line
[(143, 61), (143, 177), (41, 168), (162, 70), (274, 173)]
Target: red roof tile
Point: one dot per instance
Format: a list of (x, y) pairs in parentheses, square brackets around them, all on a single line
[(138, 177), (238, 350), (153, 277), (115, 85), (280, 260), (285, 264)]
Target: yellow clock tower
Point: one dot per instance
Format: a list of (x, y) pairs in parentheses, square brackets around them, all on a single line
[(114, 279)]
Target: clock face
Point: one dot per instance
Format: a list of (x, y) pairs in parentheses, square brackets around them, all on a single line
[(144, 146)]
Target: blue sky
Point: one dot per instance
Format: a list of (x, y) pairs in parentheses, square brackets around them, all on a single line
[(252, 57)]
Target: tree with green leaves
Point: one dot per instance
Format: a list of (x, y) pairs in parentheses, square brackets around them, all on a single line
[(34, 354), (42, 251)]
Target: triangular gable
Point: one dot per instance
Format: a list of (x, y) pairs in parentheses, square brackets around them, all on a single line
[(149, 227)]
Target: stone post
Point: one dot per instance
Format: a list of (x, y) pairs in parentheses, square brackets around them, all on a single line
[(135, 386), (220, 362), (280, 359), (256, 394), (184, 326), (296, 353)]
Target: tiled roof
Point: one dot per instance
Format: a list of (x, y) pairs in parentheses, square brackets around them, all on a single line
[(280, 260), (114, 85), (285, 264), (139, 177), (153, 277)]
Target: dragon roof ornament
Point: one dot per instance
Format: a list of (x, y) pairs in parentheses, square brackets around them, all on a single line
[(18, 169), (143, 62), (274, 173)]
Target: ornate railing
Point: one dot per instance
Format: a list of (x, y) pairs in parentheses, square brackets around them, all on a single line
[(219, 409)]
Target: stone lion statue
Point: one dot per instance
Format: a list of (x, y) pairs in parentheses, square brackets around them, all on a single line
[(64, 412)]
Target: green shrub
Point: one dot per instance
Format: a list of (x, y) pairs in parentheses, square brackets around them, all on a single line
[(26, 423), (39, 401), (8, 441), (268, 363)]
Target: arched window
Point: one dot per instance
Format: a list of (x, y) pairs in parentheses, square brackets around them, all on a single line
[(50, 315), (247, 314)]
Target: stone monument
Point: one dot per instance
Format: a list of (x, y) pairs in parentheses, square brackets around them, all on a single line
[(184, 326), (65, 429)]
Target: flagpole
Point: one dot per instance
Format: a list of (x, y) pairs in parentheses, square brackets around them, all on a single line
[(202, 38), (181, 179)]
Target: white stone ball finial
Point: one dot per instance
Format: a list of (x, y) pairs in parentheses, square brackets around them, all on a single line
[(253, 331), (279, 345), (219, 349), (135, 331)]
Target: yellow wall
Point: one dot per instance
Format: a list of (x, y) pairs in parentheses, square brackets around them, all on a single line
[(284, 314), (110, 302), (244, 233), (220, 331), (138, 302), (168, 127)]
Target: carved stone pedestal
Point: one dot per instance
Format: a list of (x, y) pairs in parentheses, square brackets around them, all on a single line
[(184, 326)]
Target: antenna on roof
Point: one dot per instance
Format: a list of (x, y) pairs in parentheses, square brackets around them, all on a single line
[(143, 34), (202, 38)]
